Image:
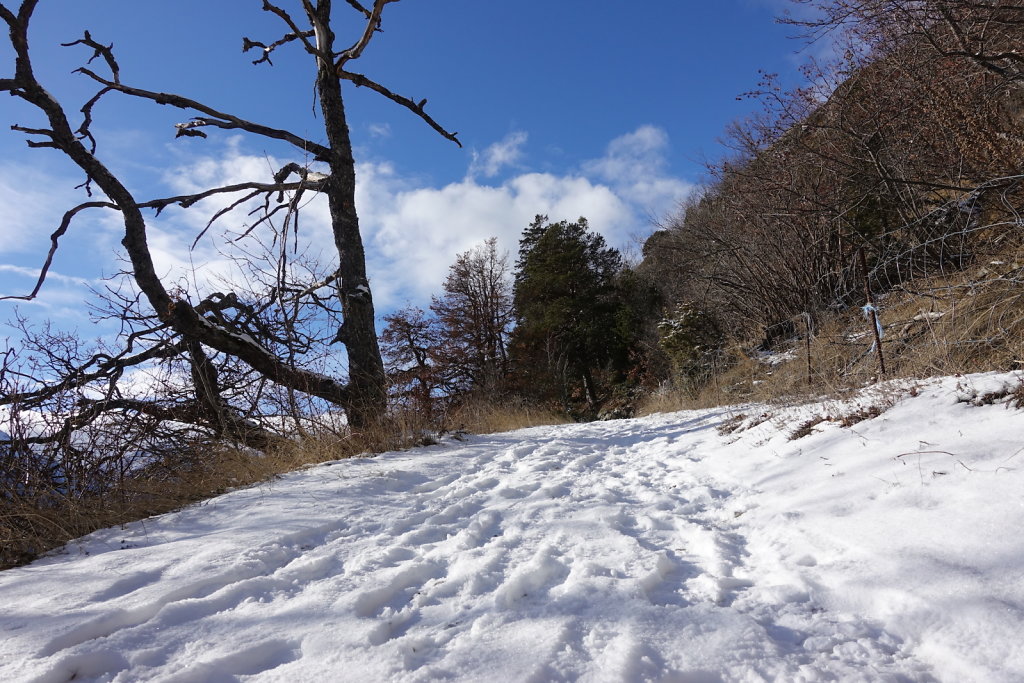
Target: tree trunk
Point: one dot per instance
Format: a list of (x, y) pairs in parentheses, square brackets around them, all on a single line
[(367, 380), (589, 388)]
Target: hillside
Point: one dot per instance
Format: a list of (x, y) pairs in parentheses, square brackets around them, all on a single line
[(739, 544), (886, 185)]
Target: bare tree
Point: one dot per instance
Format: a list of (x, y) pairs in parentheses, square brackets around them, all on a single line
[(410, 345), (475, 315), (208, 332), (899, 152)]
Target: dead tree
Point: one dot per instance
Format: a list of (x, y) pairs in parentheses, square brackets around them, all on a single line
[(207, 332)]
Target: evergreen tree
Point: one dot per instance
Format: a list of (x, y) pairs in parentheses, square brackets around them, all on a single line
[(568, 309)]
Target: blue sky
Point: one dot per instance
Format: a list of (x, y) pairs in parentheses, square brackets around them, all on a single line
[(568, 108)]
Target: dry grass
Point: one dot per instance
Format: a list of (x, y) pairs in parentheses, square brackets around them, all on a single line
[(489, 417), (861, 414), (727, 387), (806, 428), (30, 526), (971, 321), (665, 400), (33, 524)]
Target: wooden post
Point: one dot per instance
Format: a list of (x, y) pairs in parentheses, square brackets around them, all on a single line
[(807, 344), (870, 309)]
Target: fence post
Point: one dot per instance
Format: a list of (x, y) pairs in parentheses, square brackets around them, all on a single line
[(807, 344), (872, 311)]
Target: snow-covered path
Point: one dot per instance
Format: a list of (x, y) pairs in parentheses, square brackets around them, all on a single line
[(651, 549)]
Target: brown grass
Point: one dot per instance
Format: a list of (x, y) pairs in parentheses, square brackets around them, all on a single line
[(861, 414), (807, 428), (968, 322), (32, 526), (489, 417)]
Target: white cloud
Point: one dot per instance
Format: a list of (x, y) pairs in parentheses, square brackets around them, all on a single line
[(61, 298), (635, 166), (411, 232), (33, 204), (379, 130), (414, 235), (639, 152), (231, 165), (51, 275), (507, 152), (209, 264)]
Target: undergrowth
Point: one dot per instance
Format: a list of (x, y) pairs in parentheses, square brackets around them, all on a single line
[(971, 321)]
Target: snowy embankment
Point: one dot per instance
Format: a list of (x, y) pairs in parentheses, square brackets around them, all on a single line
[(663, 548)]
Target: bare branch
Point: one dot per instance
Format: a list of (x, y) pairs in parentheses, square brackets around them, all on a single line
[(226, 121), (7, 15), (46, 132), (82, 375), (83, 130), (99, 50), (187, 200), (310, 180), (185, 318), (296, 31), (223, 212), (359, 8), (54, 240), (372, 26), (193, 413), (248, 44), (415, 107), (296, 295)]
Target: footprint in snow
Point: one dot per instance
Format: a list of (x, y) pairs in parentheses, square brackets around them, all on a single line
[(128, 585), (533, 580)]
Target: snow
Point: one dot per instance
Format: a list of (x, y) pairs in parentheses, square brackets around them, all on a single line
[(776, 358), (693, 546)]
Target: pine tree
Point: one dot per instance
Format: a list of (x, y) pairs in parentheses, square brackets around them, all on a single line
[(567, 308)]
